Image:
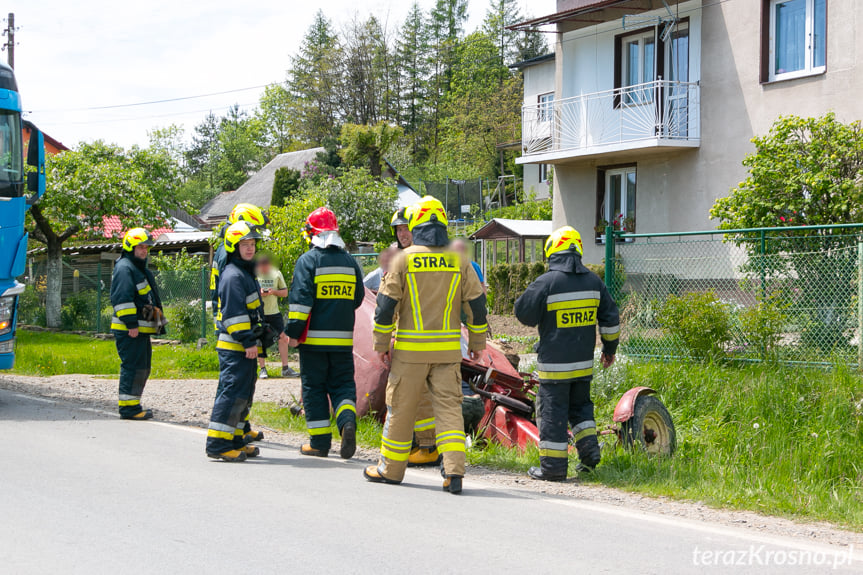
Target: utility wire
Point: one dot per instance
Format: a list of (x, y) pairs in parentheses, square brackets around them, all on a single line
[(136, 118), (166, 100)]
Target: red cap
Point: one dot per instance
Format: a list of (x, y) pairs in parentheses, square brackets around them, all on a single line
[(322, 220)]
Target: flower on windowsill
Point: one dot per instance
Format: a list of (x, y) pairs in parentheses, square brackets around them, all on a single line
[(600, 226), (629, 224)]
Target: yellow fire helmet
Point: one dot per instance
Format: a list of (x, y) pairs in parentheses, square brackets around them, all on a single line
[(249, 213), (563, 239), (398, 219), (137, 237), (237, 233), (428, 210)]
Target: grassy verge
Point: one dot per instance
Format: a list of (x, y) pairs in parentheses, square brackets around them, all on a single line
[(46, 353), (271, 415), (782, 441)]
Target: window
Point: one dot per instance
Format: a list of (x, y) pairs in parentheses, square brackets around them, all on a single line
[(533, 250), (617, 199), (546, 106), (543, 173), (638, 66), (797, 41), (514, 252)]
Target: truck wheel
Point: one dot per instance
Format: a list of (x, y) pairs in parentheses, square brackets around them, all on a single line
[(650, 427)]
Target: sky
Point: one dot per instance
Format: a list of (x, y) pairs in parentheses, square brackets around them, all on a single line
[(96, 53)]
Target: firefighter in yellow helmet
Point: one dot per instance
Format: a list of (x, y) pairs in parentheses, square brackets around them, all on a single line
[(137, 316), (423, 451), (567, 303), (240, 321), (422, 298), (257, 220)]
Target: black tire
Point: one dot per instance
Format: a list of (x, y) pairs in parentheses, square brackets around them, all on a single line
[(650, 427)]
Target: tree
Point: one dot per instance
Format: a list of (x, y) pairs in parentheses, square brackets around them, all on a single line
[(169, 141), (240, 152), (285, 183), (446, 25), (363, 205), (274, 115), (368, 145), (366, 63), (314, 82), (203, 155), (804, 172), (93, 181), (412, 62), (500, 14), (480, 111), (530, 44)]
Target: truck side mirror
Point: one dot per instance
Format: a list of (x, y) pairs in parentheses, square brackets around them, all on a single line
[(35, 158)]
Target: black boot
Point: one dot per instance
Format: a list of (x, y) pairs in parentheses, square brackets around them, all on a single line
[(349, 440), (536, 473)]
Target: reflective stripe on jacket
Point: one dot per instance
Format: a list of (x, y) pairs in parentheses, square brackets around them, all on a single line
[(133, 286), (428, 288), (326, 289), (240, 307), (567, 303)]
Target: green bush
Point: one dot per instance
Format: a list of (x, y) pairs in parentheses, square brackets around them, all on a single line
[(700, 321), (31, 306), (184, 320), (508, 281), (763, 325), (79, 311)]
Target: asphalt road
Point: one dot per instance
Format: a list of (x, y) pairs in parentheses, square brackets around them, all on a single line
[(84, 492)]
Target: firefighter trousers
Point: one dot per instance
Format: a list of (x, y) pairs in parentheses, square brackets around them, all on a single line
[(407, 384), (566, 402), (327, 378), (135, 356), (237, 377), (424, 428)]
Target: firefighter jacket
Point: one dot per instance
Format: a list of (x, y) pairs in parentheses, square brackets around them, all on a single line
[(326, 289), (567, 303), (422, 297), (220, 259), (133, 287), (240, 306)]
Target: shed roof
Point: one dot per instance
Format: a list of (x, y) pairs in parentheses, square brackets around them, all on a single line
[(500, 228), (258, 189), (169, 241)]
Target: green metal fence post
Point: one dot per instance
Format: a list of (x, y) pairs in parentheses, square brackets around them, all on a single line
[(859, 305), (204, 294), (761, 264), (99, 297), (609, 260)]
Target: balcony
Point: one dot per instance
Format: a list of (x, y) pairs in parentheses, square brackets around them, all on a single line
[(651, 116)]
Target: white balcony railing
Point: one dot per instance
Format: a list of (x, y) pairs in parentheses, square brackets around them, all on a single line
[(662, 111)]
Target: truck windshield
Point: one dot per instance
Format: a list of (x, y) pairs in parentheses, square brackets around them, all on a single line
[(11, 148)]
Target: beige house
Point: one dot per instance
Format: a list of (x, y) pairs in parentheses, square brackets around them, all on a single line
[(653, 104)]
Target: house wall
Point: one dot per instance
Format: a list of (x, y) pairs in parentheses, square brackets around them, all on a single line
[(676, 189), (538, 79)]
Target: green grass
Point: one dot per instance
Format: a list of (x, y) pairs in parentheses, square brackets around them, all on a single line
[(271, 415), (782, 441), (46, 353)]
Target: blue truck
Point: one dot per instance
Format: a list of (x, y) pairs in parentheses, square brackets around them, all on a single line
[(21, 186)]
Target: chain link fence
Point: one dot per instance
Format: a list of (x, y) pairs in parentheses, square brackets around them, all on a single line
[(86, 297), (791, 294)]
